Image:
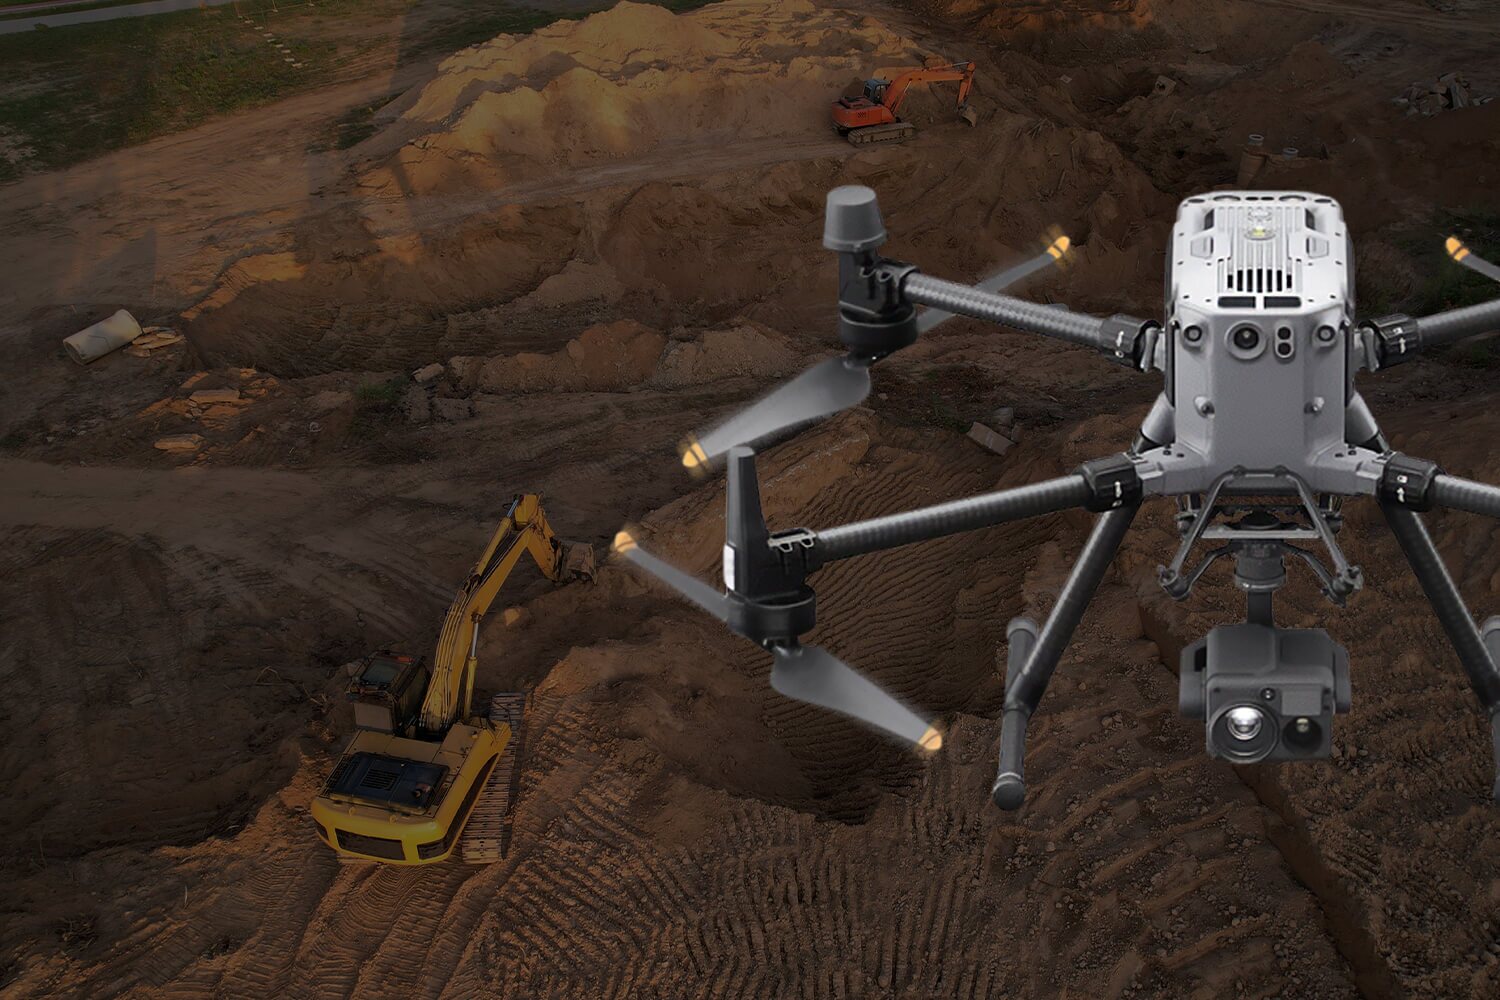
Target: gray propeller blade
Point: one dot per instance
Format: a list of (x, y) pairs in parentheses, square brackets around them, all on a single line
[(810, 674), (822, 390), (1002, 280), (1471, 260), (686, 584)]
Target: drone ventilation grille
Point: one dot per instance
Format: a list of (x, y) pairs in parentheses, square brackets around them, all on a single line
[(1260, 241)]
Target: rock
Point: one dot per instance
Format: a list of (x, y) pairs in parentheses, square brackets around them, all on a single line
[(1002, 418), (1428, 104), (466, 369), (329, 400), (203, 396), (415, 405), (428, 373), (1164, 85), (180, 442), (986, 438), (452, 410), (515, 617)]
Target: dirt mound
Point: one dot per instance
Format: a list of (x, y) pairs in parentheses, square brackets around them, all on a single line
[(625, 81)]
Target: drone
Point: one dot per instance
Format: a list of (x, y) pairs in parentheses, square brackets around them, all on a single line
[(1259, 435)]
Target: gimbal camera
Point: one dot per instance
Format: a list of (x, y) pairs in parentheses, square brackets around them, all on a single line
[(1259, 434)]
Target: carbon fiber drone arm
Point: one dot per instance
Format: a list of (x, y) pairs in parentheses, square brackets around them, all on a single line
[(1097, 486), (1395, 339), (1123, 339)]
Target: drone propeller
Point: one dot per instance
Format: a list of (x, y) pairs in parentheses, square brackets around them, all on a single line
[(824, 389), (1471, 260), (1001, 280), (686, 584), (803, 673), (833, 385), (810, 674)]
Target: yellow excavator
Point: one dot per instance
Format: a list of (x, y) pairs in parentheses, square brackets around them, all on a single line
[(421, 773)]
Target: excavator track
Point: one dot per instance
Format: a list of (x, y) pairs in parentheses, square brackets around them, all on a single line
[(486, 837), (893, 132)]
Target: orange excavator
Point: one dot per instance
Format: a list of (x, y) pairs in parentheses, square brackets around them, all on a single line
[(874, 116)]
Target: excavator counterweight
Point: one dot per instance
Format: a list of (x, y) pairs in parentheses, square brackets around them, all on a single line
[(421, 776)]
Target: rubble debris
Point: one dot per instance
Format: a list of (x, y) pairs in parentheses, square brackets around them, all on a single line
[(180, 442), (1163, 86), (204, 396), (94, 342), (466, 369), (153, 338), (987, 438), (452, 410), (1003, 420), (427, 373), (1448, 92), (416, 406)]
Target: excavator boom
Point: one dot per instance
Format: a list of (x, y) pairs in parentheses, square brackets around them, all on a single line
[(524, 529)]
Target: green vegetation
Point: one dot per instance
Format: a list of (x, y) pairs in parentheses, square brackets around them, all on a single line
[(1447, 284), (379, 396), (358, 123), (73, 93)]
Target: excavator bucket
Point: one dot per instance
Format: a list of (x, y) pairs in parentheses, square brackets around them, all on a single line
[(578, 561), (967, 115)]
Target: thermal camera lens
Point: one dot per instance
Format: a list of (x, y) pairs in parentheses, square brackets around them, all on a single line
[(1246, 338), (1245, 722)]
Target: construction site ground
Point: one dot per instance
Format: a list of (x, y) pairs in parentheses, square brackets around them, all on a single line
[(607, 232)]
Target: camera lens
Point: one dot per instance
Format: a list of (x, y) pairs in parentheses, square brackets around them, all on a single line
[(1244, 723), (1246, 338), (1244, 733), (1304, 735)]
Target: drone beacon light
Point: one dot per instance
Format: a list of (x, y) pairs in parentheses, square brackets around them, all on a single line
[(1259, 434)]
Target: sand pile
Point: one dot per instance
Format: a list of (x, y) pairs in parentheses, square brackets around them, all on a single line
[(628, 80)]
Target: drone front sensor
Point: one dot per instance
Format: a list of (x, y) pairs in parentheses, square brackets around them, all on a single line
[(1259, 434)]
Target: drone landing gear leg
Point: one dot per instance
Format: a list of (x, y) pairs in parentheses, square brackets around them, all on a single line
[(1475, 652), (1032, 658)]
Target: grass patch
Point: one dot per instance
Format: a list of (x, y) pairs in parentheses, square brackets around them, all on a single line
[(379, 396), (1447, 284), (76, 92), (358, 123)]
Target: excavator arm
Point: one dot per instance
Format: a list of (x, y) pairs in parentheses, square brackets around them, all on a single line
[(963, 72), (524, 529)]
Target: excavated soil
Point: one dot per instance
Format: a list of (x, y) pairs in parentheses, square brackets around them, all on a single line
[(606, 235)]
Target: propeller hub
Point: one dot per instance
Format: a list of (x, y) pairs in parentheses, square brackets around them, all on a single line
[(774, 620)]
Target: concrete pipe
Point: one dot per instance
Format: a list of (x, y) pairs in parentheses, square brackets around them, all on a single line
[(107, 335)]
